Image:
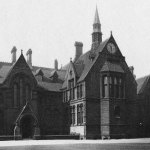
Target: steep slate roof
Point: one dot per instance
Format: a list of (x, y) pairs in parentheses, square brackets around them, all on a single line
[(5, 69), (141, 83), (86, 63), (50, 86)]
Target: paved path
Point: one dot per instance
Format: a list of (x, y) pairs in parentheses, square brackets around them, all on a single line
[(121, 144)]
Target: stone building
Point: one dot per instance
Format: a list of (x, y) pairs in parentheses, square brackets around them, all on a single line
[(143, 98), (94, 95)]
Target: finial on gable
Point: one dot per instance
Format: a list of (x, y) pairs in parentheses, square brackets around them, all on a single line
[(70, 59), (21, 51), (111, 33)]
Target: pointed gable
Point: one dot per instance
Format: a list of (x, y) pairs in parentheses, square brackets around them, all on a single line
[(84, 63), (27, 109), (70, 74), (19, 67), (112, 47)]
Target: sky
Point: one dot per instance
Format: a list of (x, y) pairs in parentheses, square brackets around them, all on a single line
[(51, 27)]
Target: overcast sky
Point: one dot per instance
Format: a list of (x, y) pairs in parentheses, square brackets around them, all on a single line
[(51, 27)]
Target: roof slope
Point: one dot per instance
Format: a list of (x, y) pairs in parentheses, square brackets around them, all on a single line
[(141, 83), (47, 83), (84, 64)]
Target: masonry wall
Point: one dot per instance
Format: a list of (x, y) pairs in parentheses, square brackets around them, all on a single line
[(50, 113)]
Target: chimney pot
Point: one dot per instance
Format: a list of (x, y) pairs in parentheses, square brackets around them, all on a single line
[(79, 50), (29, 57), (13, 54), (56, 64)]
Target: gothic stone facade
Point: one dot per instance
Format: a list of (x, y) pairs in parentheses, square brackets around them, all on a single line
[(93, 96)]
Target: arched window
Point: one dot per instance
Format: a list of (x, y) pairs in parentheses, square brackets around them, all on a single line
[(117, 112), (15, 95), (21, 91), (105, 86)]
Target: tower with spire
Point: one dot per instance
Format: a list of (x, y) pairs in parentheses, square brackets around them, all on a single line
[(97, 34)]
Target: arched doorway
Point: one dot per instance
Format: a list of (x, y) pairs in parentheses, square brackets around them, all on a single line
[(27, 126)]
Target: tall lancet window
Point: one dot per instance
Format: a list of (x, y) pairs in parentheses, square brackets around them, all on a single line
[(111, 89), (28, 93), (105, 86), (15, 95), (21, 92)]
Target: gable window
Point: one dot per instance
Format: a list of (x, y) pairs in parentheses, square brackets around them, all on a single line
[(28, 92), (21, 92), (117, 112), (15, 95)]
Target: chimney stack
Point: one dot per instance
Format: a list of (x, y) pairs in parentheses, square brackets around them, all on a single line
[(13, 54), (131, 69), (29, 57), (79, 50), (56, 64)]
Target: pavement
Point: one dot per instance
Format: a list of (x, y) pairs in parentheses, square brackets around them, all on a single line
[(72, 142)]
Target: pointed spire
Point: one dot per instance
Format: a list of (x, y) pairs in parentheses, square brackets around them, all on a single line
[(97, 34), (96, 19)]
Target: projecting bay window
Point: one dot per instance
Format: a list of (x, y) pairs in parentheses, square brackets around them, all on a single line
[(105, 86), (121, 89), (113, 86)]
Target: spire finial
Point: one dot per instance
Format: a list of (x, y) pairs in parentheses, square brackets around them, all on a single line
[(70, 59), (96, 19), (21, 51)]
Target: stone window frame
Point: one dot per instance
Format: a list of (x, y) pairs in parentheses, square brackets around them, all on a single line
[(80, 114)]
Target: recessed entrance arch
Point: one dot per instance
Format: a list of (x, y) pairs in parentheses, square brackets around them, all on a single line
[(27, 124)]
